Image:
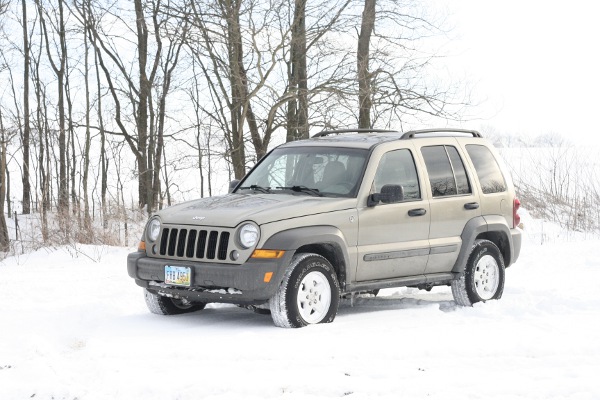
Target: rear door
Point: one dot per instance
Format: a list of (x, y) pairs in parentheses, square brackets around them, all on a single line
[(453, 201)]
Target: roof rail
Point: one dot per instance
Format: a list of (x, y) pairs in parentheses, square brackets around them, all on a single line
[(412, 134), (360, 130)]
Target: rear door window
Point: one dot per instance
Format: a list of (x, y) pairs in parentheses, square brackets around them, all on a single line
[(446, 170)]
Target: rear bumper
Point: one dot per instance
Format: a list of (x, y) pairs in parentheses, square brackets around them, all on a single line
[(516, 236), (212, 283)]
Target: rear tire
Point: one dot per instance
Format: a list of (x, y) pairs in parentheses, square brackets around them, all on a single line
[(483, 277), (308, 294), (162, 305)]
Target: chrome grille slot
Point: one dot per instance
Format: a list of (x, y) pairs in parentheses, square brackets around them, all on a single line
[(184, 243), (172, 241), (191, 244), (223, 244), (212, 245), (181, 242), (201, 245)]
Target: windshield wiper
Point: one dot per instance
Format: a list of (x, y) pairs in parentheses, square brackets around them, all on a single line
[(302, 189), (258, 188)]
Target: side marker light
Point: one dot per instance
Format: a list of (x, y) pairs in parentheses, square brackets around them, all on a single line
[(268, 277)]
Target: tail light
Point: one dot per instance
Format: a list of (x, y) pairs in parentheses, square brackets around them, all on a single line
[(516, 216)]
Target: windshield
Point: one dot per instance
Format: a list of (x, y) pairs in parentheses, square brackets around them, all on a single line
[(315, 171)]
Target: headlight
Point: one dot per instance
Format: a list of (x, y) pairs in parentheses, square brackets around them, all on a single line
[(153, 229), (248, 235)]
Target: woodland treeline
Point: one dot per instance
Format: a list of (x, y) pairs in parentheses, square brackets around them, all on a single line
[(96, 94)]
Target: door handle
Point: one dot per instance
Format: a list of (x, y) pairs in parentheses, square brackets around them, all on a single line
[(472, 206), (417, 212)]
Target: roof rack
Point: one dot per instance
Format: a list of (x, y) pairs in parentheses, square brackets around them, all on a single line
[(339, 131), (412, 134)]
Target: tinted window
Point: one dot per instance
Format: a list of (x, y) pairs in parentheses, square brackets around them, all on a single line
[(441, 173), (398, 168), (488, 171), (462, 182)]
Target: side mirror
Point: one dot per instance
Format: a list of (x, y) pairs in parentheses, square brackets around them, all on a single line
[(233, 184), (389, 194)]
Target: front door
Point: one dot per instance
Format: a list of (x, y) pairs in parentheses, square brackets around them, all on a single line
[(393, 237)]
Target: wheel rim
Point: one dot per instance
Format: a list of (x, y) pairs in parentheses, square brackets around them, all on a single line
[(314, 297), (487, 275)]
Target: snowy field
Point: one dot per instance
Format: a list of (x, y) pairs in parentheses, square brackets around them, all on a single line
[(73, 325)]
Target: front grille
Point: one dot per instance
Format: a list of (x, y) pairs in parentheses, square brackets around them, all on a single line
[(194, 244)]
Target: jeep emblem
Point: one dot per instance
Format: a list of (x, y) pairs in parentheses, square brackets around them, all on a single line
[(198, 218)]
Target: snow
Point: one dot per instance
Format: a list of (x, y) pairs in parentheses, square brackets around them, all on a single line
[(73, 325)]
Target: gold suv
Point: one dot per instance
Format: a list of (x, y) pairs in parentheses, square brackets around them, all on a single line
[(344, 212)]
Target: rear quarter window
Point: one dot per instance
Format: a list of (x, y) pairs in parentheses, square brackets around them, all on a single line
[(487, 169)]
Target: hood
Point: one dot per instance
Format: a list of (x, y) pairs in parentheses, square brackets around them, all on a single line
[(231, 209)]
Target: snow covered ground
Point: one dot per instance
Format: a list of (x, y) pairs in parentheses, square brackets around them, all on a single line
[(73, 325)]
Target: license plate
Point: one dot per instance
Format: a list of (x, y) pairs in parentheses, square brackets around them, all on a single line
[(180, 276)]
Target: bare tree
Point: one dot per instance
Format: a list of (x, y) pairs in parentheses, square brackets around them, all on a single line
[(26, 125), (362, 60), (59, 68), (4, 239), (246, 48), (143, 141), (255, 72), (395, 82), (41, 125), (297, 112), (87, 219)]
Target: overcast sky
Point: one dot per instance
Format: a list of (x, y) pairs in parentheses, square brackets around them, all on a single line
[(535, 64)]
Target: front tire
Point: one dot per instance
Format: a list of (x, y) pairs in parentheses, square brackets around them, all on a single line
[(483, 277), (162, 305), (308, 294)]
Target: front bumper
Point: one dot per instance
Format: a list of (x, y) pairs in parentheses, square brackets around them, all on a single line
[(212, 283)]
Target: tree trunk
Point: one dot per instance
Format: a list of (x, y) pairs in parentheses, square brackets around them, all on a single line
[(43, 134), (59, 71), (297, 107), (238, 153), (63, 191), (103, 150), (168, 68), (362, 56), (145, 176), (299, 65), (71, 155), (26, 123), (4, 239), (87, 220)]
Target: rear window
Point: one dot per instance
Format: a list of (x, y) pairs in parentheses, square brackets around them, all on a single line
[(488, 171)]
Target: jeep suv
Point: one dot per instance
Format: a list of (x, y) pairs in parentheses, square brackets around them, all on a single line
[(344, 212)]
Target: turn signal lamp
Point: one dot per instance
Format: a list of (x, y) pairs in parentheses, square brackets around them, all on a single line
[(261, 253)]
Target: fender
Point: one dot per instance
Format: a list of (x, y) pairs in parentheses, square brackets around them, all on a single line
[(480, 226), (293, 239), (512, 237)]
